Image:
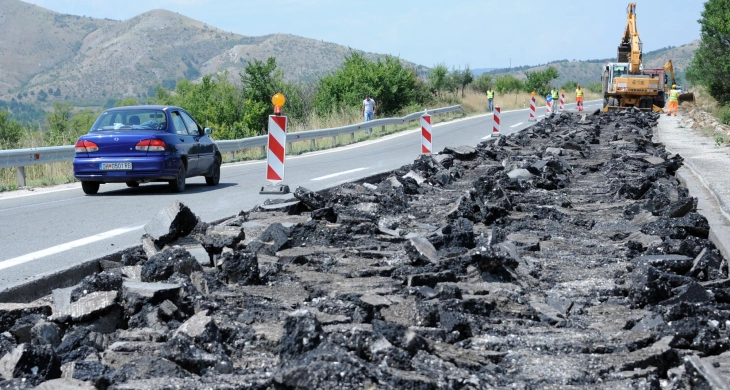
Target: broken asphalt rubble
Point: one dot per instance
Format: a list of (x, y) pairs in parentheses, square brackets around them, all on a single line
[(565, 255)]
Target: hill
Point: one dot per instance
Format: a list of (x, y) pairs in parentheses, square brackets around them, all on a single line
[(47, 56), (589, 71)]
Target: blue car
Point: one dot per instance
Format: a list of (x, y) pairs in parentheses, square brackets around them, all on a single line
[(140, 144)]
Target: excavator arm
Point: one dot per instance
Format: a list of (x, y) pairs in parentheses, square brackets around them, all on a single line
[(684, 96), (630, 48), (669, 67)]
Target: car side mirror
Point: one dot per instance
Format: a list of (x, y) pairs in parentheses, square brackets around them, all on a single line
[(208, 130)]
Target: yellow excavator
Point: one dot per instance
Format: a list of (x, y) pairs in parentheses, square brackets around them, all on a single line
[(626, 83), (684, 96)]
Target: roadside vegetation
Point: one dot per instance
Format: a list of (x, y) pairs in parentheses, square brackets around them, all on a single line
[(239, 110), (711, 64)]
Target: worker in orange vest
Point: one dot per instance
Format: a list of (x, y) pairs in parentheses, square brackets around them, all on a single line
[(673, 100), (579, 97)]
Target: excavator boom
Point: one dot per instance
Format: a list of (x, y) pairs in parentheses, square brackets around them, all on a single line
[(683, 96), (630, 48)]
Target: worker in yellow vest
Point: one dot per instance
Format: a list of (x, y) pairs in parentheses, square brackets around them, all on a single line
[(556, 97), (673, 100), (579, 97), (490, 98)]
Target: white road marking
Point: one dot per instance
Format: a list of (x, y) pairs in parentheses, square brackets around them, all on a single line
[(339, 174), (64, 247), (516, 125)]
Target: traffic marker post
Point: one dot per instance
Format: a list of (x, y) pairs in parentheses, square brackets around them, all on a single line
[(562, 100), (495, 126), (426, 134), (533, 107), (276, 150), (549, 106)]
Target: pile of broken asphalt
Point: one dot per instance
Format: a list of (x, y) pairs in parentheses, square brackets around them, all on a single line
[(567, 255)]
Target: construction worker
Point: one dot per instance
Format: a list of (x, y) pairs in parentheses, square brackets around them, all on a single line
[(556, 97), (490, 97), (579, 97), (673, 100)]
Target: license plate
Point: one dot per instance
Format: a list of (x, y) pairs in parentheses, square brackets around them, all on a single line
[(115, 166)]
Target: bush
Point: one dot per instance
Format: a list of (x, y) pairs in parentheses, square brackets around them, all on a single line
[(711, 63), (595, 87), (539, 81), (483, 82), (569, 85), (508, 83), (388, 82), (724, 115)]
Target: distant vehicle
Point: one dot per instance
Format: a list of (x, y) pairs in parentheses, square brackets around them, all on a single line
[(140, 144)]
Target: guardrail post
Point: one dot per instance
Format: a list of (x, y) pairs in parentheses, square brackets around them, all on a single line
[(334, 141), (288, 147), (20, 173), (352, 136), (312, 144), (263, 150), (231, 156), (383, 129)]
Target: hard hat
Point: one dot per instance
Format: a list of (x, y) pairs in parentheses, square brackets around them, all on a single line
[(674, 85)]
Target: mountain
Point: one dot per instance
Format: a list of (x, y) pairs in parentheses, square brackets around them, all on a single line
[(589, 71), (49, 56)]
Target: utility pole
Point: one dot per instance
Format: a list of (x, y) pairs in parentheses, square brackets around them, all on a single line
[(510, 64)]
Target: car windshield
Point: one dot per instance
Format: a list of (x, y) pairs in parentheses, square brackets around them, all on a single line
[(151, 119)]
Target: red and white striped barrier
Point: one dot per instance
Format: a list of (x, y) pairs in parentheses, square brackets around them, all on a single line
[(426, 134), (548, 107), (495, 126), (562, 100), (276, 149), (533, 107)]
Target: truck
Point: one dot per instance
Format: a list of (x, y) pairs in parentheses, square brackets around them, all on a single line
[(626, 83)]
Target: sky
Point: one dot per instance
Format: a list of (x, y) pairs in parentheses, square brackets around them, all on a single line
[(456, 33)]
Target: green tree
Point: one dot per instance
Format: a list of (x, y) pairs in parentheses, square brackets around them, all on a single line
[(59, 125), (10, 131), (570, 85), (483, 82), (42, 95), (711, 64), (467, 77), (391, 85), (262, 80), (539, 81), (81, 123), (438, 77), (508, 83)]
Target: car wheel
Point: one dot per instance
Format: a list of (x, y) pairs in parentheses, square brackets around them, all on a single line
[(178, 183), (132, 184), (90, 187), (215, 177)]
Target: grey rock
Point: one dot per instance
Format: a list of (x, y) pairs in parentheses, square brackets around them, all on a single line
[(86, 307), (46, 333), (11, 312), (420, 249), (35, 363), (170, 260), (172, 222), (520, 173), (430, 279), (65, 384), (153, 290), (200, 328)]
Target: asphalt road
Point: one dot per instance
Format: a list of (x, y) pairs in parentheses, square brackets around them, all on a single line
[(49, 230)]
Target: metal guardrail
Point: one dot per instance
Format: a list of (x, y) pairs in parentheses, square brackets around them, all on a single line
[(20, 158)]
